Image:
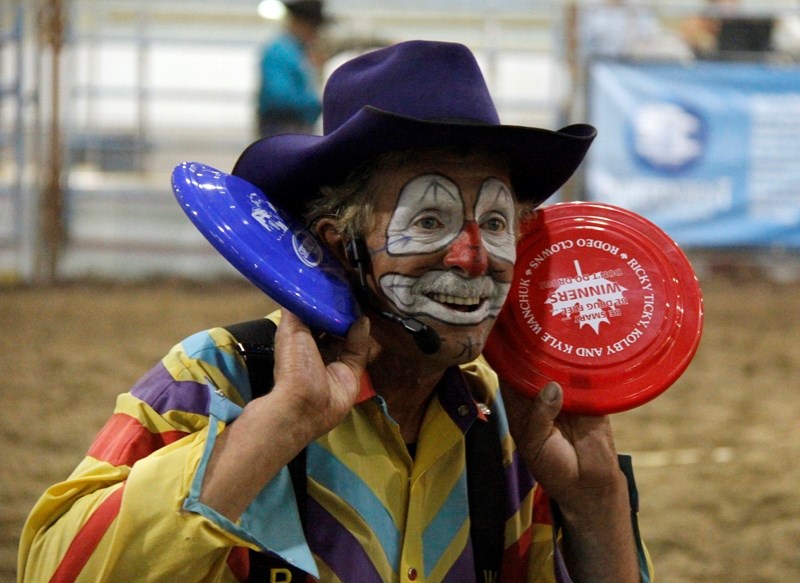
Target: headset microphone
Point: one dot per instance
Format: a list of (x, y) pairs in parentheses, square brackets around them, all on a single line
[(427, 339)]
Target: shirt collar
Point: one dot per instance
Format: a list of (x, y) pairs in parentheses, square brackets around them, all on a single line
[(454, 395)]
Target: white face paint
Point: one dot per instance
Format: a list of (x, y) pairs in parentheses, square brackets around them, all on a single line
[(495, 203), (426, 200), (429, 216)]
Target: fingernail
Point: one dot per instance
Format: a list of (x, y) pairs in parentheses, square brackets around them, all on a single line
[(550, 392)]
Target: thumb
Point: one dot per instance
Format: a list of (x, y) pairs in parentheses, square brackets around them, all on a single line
[(532, 418), (549, 401), (540, 409), (355, 353), (543, 410)]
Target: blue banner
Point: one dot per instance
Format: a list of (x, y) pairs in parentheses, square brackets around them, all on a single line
[(709, 151)]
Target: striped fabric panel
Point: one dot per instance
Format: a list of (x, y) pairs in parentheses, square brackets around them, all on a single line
[(343, 553), (541, 508), (332, 475), (89, 536), (452, 562), (518, 525), (124, 440), (356, 501), (179, 382), (216, 353), (515, 558), (462, 569), (325, 574), (335, 545), (159, 389), (156, 412), (165, 405), (521, 489), (239, 563), (451, 517), (169, 408), (520, 485)]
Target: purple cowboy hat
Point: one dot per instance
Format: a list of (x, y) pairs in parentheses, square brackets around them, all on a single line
[(411, 95)]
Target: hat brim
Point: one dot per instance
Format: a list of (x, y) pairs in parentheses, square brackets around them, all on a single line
[(292, 168)]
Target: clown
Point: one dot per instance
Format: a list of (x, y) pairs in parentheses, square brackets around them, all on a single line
[(404, 449)]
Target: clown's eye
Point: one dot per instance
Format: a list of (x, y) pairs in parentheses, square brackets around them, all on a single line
[(428, 223), (494, 223)]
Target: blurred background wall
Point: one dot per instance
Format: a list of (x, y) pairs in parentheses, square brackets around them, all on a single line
[(100, 99)]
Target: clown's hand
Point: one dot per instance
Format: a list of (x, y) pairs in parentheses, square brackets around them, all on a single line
[(574, 459), (318, 393)]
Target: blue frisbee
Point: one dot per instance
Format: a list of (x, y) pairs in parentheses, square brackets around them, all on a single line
[(267, 245)]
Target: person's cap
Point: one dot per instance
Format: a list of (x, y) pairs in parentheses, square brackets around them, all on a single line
[(309, 10), (411, 95)]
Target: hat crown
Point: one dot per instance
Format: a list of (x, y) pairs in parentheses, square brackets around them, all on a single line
[(418, 79)]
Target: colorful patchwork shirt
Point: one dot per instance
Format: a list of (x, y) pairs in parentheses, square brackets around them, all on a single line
[(131, 511)]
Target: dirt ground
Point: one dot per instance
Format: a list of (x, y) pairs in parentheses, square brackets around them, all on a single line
[(716, 456)]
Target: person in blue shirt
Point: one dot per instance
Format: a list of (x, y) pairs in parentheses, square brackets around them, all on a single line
[(288, 97)]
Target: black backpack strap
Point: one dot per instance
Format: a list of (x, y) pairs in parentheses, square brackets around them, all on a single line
[(255, 341), (486, 486)]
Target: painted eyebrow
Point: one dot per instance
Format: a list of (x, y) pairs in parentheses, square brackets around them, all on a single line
[(503, 187), (435, 185)]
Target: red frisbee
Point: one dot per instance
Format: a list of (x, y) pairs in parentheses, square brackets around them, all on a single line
[(603, 302)]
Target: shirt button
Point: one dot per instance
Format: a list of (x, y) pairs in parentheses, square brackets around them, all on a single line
[(412, 574), (463, 410)]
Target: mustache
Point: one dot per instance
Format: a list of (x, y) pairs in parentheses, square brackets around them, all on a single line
[(449, 283)]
